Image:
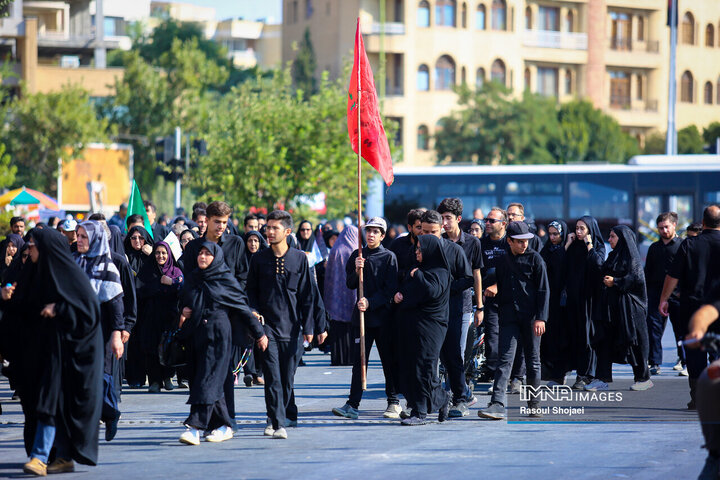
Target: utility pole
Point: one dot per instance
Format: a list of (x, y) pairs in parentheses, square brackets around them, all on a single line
[(382, 74), (671, 136), (176, 166)]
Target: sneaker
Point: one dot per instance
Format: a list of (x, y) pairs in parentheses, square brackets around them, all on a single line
[(259, 381), (472, 401), (392, 411), (683, 373), (641, 386), (35, 467), (711, 470), (291, 423), (414, 421), (154, 388), (346, 411), (597, 385), (111, 428), (535, 411), (654, 369), (490, 390), (60, 465), (514, 387), (458, 410), (220, 434), (444, 409), (280, 433), (181, 383), (191, 436), (494, 411), (168, 384), (405, 414), (248, 380), (579, 384), (678, 365), (269, 431)]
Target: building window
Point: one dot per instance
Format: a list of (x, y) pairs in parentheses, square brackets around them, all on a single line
[(709, 35), (444, 73), (463, 15), (499, 15), (445, 13), (528, 18), (480, 17), (570, 21), (717, 90), (463, 75), (619, 89), (621, 28), (686, 87), (639, 87), (688, 29), (568, 82), (294, 11), (549, 19), (707, 93), (308, 9), (641, 29), (423, 18), (423, 78), (423, 138), (497, 72), (480, 78), (547, 81), (527, 78)]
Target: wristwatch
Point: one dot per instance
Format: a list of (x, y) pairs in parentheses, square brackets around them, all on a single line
[(481, 309)]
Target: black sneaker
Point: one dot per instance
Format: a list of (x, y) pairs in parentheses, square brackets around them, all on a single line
[(248, 380), (445, 409), (414, 421), (458, 410), (534, 410), (111, 428), (405, 414), (167, 383), (514, 387), (494, 411)]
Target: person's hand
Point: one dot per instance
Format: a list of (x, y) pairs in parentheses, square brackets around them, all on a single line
[(125, 336), (398, 298), (321, 338), (609, 281), (663, 308), (181, 321), (359, 264), (308, 338), (539, 328), (187, 312), (48, 311), (165, 280), (116, 344), (146, 249), (588, 241), (262, 343), (363, 304), (8, 260), (491, 291), (570, 239), (696, 334), (7, 292), (479, 317)]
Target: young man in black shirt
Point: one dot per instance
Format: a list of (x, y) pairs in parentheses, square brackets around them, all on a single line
[(516, 213), (461, 309), (379, 267), (280, 289), (657, 264), (523, 297)]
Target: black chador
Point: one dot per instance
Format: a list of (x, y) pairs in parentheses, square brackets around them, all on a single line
[(214, 296), (424, 313), (136, 258), (279, 288)]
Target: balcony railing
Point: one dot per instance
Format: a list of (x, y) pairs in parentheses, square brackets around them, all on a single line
[(623, 102), (552, 39), (389, 28), (626, 45)]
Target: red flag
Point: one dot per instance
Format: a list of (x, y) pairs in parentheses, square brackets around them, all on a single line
[(375, 148)]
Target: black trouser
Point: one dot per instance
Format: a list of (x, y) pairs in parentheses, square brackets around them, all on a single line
[(516, 331), (209, 417), (492, 338), (135, 361), (291, 412), (656, 327), (425, 390), (381, 336), (281, 360), (229, 385), (680, 328), (451, 357), (156, 372), (708, 399)]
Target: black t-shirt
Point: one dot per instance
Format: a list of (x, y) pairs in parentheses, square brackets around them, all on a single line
[(473, 252), (492, 252), (659, 260), (697, 267)]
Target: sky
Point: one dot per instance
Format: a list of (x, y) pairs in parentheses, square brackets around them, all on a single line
[(248, 9)]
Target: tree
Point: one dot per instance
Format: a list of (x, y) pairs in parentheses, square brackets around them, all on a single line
[(655, 144), (689, 141), (164, 36), (304, 66), (710, 134)]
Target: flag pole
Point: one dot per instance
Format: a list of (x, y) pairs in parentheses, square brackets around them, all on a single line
[(363, 360)]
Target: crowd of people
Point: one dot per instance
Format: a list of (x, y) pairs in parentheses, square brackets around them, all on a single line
[(85, 306)]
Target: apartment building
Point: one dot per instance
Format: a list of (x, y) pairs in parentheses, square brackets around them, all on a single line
[(613, 52)]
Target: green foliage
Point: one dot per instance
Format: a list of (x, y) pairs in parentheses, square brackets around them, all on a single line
[(654, 144), (5, 8), (164, 36), (304, 66), (268, 144), (711, 133), (689, 141)]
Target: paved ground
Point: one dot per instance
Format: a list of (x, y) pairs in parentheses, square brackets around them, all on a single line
[(648, 435)]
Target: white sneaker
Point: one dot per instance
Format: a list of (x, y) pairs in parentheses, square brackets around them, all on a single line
[(191, 436), (220, 434), (269, 431), (641, 386), (392, 411), (597, 386), (280, 433), (683, 373), (678, 366)]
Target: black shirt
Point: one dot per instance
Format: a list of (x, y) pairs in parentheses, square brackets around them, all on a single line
[(657, 264), (492, 252), (379, 284), (404, 250), (460, 276), (473, 252), (697, 267), (523, 285), (233, 249)]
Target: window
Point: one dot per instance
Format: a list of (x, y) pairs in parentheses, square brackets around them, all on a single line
[(688, 29), (527, 79), (717, 90), (463, 75), (497, 73), (641, 29), (499, 15), (710, 35), (423, 18), (570, 21), (528, 18), (444, 73), (294, 11), (463, 21), (547, 81), (480, 17), (686, 87), (601, 201), (423, 78), (423, 138), (707, 93), (639, 87), (549, 19), (445, 13), (619, 89), (568, 82), (621, 31), (308, 9), (480, 78)]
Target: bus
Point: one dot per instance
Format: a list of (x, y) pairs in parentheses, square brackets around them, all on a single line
[(630, 194)]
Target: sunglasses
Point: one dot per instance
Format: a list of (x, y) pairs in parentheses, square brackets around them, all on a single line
[(492, 220), (136, 238)]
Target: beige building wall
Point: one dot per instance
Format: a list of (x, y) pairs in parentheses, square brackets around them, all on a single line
[(613, 52)]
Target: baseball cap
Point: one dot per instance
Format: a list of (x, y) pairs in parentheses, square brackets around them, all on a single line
[(69, 225), (519, 231), (377, 222)]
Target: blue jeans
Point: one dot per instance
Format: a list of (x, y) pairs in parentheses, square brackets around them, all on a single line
[(45, 437), (516, 334)]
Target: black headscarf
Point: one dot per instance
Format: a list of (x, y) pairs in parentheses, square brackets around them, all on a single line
[(192, 233), (594, 231), (561, 227), (16, 239), (305, 245), (11, 273), (137, 258), (258, 235)]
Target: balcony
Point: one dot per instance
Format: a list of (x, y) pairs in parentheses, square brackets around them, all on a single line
[(623, 102), (635, 113), (388, 28), (626, 45), (552, 39)]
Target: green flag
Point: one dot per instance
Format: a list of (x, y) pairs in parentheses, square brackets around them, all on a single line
[(136, 206)]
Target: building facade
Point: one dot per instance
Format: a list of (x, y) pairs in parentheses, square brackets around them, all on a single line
[(612, 52)]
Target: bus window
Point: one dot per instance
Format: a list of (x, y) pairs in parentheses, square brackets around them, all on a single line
[(538, 207), (606, 203)]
